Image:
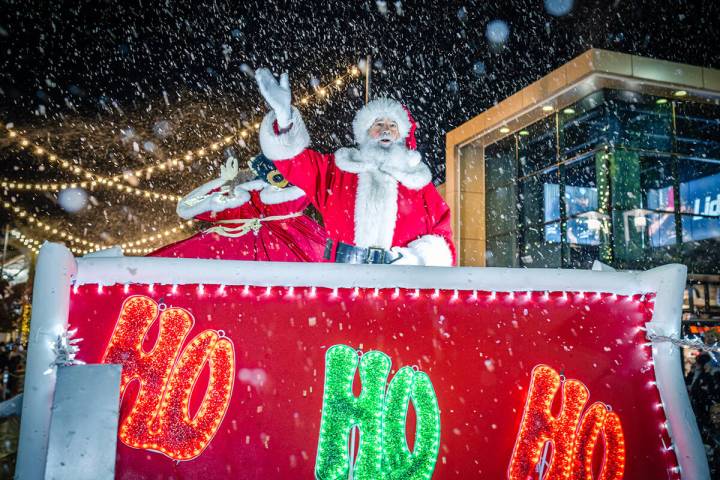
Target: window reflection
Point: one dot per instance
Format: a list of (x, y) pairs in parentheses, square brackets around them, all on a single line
[(619, 176)]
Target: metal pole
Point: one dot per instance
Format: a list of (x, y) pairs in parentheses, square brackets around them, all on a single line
[(368, 67), (4, 254)]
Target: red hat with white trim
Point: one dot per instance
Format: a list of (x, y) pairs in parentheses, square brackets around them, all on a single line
[(384, 108)]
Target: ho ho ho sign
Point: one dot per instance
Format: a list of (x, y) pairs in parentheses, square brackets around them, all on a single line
[(271, 370)]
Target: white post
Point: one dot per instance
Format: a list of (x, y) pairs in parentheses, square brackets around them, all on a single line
[(669, 283), (50, 307)]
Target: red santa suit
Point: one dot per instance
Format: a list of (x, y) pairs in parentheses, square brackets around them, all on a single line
[(251, 221), (367, 197)]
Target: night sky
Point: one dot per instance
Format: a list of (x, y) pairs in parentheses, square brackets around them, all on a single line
[(94, 80)]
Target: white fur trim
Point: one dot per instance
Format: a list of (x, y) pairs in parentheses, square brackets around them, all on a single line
[(286, 145), (375, 210), (380, 108), (403, 164), (433, 250), (252, 185), (201, 200), (272, 195)]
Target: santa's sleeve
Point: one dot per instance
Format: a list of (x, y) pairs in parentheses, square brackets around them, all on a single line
[(436, 248), (288, 149)]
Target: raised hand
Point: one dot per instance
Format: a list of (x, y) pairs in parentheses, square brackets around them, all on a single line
[(276, 94)]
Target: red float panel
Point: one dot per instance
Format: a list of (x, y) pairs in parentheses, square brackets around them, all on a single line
[(265, 351)]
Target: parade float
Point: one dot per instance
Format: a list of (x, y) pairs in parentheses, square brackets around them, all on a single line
[(265, 370), (392, 368)]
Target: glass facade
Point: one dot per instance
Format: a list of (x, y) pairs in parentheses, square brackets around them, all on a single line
[(627, 178)]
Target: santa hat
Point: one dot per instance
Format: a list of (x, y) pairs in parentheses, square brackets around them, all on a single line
[(384, 108)]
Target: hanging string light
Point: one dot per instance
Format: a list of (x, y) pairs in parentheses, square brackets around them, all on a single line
[(32, 218), (320, 93), (120, 182), (179, 162), (19, 186), (94, 178), (30, 243), (34, 244), (88, 246)]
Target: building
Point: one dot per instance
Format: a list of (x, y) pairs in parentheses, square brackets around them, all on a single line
[(612, 156)]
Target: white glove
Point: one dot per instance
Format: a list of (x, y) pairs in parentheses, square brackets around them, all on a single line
[(229, 171), (408, 256), (277, 95)]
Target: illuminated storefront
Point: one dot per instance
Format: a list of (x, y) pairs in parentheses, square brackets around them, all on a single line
[(611, 157)]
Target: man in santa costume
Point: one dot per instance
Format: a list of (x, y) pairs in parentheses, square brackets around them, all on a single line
[(378, 202)]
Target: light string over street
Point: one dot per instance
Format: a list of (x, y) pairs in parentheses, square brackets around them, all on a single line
[(120, 182), (89, 246), (20, 186), (322, 92), (34, 244), (98, 179)]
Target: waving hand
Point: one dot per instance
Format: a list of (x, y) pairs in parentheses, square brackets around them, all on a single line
[(276, 94)]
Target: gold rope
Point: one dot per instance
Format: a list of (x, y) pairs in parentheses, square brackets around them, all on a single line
[(246, 225)]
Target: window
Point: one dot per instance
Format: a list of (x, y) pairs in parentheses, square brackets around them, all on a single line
[(627, 178), (501, 203)]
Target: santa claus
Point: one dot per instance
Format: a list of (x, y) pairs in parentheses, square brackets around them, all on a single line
[(378, 202)]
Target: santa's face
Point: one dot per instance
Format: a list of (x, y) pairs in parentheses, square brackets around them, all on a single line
[(384, 132)]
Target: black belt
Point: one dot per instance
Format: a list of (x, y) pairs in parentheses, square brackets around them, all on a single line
[(346, 253)]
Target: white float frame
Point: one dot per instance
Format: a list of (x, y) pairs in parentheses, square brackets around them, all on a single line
[(57, 271)]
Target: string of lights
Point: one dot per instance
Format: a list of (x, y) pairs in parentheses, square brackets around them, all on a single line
[(120, 183), (95, 178), (695, 343), (30, 243), (321, 92), (19, 186), (32, 218), (133, 247), (128, 248)]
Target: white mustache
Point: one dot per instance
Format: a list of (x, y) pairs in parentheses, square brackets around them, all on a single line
[(385, 136)]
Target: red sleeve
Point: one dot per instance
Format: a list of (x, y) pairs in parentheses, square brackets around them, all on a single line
[(439, 217), (312, 172)]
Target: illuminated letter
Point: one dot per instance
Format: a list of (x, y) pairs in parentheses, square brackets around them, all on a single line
[(399, 463), (342, 411), (538, 426), (153, 368), (614, 462), (184, 437), (597, 419), (160, 417), (587, 436)]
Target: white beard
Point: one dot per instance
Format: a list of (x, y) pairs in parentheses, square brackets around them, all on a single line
[(376, 200), (373, 153), (379, 170)]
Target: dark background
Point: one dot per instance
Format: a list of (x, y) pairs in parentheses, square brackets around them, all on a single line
[(78, 75)]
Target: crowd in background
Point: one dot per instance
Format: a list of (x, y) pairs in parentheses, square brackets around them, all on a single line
[(703, 381), (12, 367)]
